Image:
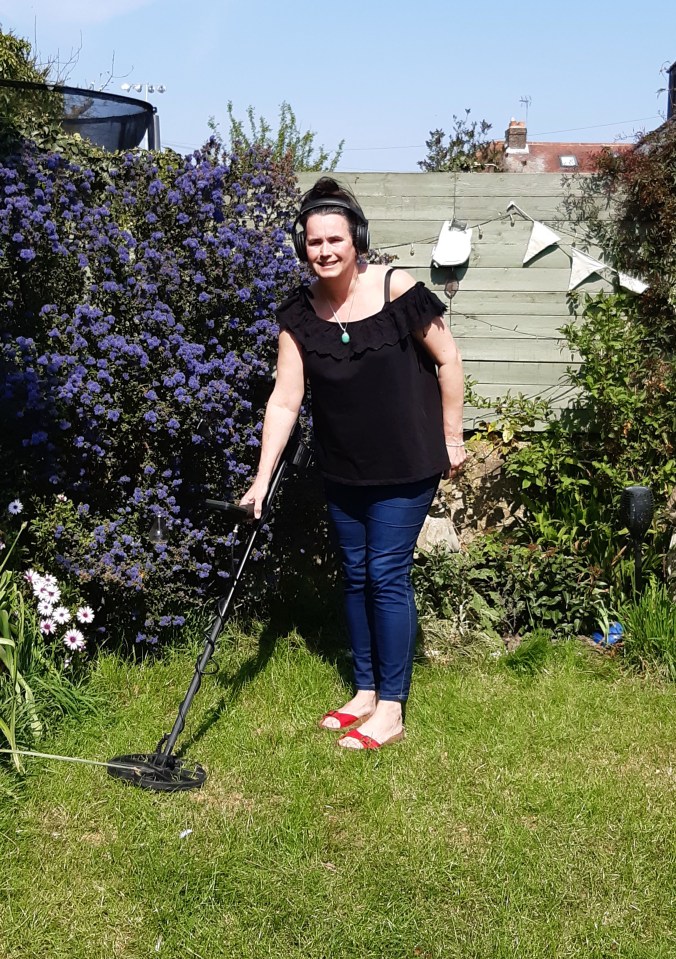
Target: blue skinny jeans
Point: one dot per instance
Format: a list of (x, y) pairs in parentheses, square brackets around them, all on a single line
[(377, 528)]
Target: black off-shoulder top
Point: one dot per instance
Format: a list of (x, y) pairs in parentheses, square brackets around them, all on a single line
[(376, 404)]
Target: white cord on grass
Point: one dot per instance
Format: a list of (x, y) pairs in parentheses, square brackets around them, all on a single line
[(68, 759)]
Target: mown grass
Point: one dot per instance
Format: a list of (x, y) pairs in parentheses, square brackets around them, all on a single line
[(522, 817)]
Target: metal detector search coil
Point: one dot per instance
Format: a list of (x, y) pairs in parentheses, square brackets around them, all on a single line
[(161, 771), (157, 771)]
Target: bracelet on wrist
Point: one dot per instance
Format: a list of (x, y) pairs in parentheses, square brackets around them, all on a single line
[(455, 444)]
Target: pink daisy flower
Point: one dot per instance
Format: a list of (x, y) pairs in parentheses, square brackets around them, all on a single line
[(61, 615), (74, 639), (48, 627), (85, 614)]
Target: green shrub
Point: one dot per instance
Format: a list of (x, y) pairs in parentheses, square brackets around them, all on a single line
[(510, 588), (618, 432)]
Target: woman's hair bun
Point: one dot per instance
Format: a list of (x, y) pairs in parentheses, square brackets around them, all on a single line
[(326, 186)]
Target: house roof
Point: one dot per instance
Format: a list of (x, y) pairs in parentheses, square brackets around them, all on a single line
[(520, 156), (557, 157)]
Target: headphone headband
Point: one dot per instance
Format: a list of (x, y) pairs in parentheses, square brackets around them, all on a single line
[(361, 233), (328, 201)]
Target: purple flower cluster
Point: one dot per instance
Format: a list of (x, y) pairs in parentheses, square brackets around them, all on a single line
[(137, 335)]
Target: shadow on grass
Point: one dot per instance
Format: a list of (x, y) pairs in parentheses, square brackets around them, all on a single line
[(318, 622), (234, 684)]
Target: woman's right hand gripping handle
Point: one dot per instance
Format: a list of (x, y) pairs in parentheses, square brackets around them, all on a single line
[(256, 494), (281, 414)]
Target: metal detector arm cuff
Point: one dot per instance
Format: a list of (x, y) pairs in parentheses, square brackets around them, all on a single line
[(295, 453)]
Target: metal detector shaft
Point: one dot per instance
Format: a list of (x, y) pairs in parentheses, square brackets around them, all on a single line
[(294, 454)]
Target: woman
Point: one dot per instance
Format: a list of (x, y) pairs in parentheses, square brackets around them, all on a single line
[(387, 389)]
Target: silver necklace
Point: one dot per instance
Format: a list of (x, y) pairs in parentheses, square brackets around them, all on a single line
[(345, 337)]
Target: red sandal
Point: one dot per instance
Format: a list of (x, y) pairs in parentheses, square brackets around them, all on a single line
[(368, 742), (346, 720)]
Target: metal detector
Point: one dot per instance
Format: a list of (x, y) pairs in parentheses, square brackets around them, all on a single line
[(161, 771)]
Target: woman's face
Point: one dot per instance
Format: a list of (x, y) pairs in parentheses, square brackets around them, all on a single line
[(328, 241)]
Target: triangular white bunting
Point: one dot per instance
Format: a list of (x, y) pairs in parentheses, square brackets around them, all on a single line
[(632, 283), (540, 238), (582, 265)]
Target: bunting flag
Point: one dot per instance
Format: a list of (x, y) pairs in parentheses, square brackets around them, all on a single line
[(540, 238), (582, 265), (632, 283)]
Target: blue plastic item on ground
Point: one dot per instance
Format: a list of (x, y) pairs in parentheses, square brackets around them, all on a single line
[(615, 633)]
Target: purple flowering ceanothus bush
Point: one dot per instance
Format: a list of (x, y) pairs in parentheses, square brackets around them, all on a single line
[(137, 338)]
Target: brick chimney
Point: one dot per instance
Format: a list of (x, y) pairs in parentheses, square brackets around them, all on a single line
[(515, 137)]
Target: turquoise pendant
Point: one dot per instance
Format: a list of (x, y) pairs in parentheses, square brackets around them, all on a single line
[(345, 337)]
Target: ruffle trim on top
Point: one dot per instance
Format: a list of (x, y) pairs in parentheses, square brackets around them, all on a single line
[(413, 310)]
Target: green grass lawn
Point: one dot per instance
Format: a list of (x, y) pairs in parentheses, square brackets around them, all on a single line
[(520, 818)]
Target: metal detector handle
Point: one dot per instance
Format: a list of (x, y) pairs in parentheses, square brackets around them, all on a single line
[(295, 453), (234, 510)]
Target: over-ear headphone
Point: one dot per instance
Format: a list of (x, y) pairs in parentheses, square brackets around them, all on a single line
[(362, 238)]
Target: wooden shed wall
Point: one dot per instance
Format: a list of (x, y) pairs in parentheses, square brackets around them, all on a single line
[(506, 317)]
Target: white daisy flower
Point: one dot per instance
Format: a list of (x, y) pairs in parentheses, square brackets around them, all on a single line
[(85, 614), (48, 627), (61, 615), (45, 608), (50, 580), (35, 580), (51, 593), (15, 507), (74, 639)]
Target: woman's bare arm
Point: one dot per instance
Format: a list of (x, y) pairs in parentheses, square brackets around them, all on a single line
[(281, 414)]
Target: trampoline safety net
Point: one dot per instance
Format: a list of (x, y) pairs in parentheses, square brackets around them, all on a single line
[(110, 121)]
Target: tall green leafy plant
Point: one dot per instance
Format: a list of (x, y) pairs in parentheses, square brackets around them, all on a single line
[(639, 236), (287, 144), (15, 655), (650, 630), (30, 109), (466, 149)]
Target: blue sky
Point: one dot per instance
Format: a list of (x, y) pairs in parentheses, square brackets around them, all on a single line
[(379, 75)]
